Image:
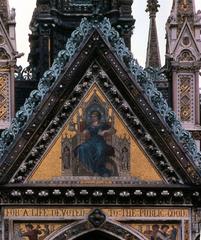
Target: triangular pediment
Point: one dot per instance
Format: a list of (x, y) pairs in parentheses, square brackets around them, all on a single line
[(139, 108), (186, 41), (124, 156)]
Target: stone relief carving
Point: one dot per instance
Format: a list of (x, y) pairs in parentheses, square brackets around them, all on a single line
[(186, 56), (50, 76)]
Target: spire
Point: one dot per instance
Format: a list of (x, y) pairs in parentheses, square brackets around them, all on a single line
[(153, 54)]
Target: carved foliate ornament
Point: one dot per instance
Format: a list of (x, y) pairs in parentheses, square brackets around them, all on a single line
[(155, 98)]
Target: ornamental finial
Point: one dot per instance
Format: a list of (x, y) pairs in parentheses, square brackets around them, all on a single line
[(152, 7)]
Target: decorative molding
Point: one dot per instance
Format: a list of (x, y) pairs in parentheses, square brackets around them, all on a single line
[(109, 227), (186, 90), (186, 56), (186, 230), (139, 75), (96, 75), (129, 194)]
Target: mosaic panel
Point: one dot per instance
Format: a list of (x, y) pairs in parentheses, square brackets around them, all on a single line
[(185, 98), (159, 230), (34, 230), (4, 97), (95, 142), (149, 223)]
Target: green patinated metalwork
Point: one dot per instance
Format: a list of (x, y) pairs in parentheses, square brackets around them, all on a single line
[(140, 76)]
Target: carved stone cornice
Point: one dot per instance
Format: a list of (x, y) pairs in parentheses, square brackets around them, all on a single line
[(48, 194), (187, 66)]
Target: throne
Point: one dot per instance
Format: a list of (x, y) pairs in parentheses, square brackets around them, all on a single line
[(118, 151)]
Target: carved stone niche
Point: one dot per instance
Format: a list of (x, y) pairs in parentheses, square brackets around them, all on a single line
[(186, 56)]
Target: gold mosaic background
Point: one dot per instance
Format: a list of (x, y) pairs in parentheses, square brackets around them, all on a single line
[(40, 230), (43, 229), (51, 163), (150, 230)]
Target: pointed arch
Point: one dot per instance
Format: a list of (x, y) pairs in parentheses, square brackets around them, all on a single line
[(186, 56), (4, 54), (110, 228)]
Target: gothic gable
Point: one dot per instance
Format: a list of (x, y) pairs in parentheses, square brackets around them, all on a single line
[(132, 96), (125, 156), (186, 48)]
